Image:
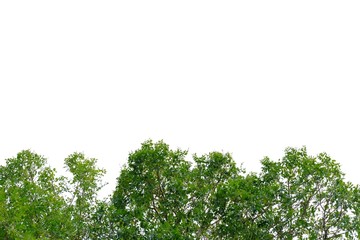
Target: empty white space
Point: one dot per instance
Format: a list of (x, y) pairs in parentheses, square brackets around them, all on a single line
[(246, 77)]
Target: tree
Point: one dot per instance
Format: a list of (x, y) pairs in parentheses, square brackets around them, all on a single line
[(151, 193), (82, 188), (35, 204), (210, 173), (159, 195), (312, 200), (30, 202)]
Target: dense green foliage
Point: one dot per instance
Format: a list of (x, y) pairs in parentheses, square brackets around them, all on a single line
[(161, 195)]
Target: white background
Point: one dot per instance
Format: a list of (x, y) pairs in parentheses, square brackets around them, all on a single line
[(246, 77)]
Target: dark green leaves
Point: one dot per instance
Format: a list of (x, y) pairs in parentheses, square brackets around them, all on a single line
[(151, 191), (161, 195)]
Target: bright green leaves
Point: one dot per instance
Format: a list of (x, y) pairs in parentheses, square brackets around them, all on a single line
[(86, 176), (160, 195), (35, 204), (30, 201), (83, 188)]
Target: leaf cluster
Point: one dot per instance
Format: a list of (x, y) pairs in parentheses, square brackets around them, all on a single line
[(161, 195)]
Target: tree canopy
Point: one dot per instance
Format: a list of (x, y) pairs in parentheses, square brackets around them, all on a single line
[(160, 194)]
